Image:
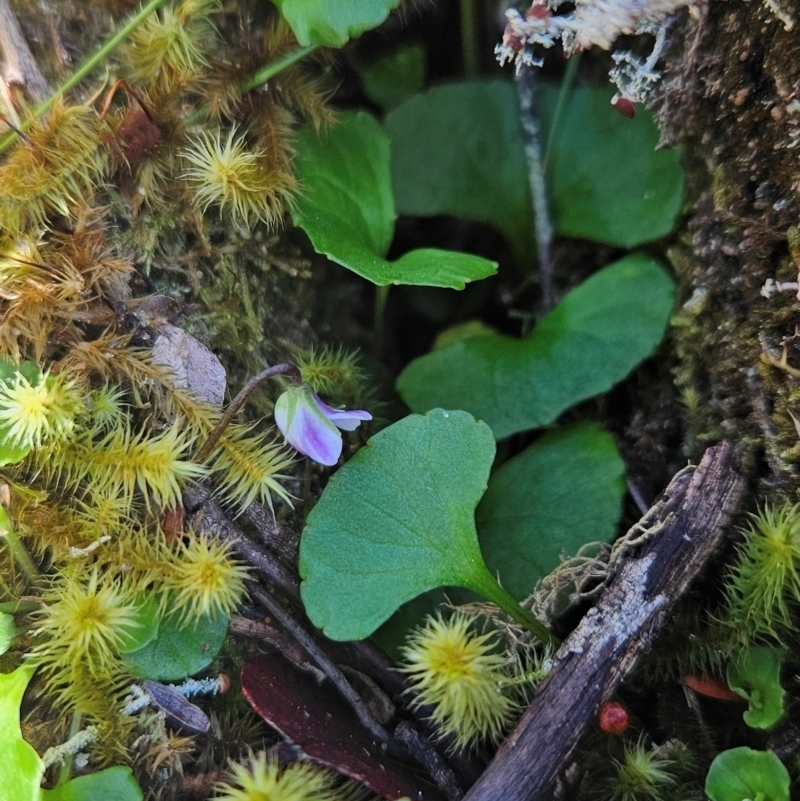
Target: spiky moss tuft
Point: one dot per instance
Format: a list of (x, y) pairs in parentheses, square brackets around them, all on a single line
[(764, 583), (249, 466), (43, 411), (641, 774), (124, 461), (333, 372), (53, 171), (238, 180), (167, 51), (107, 407), (200, 576), (262, 779), (83, 624), (461, 674)]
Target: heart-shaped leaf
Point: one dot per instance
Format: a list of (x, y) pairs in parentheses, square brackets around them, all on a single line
[(21, 769), (112, 784), (597, 334), (744, 773), (180, 649), (396, 76), (145, 625), (609, 182), (756, 677), (458, 149), (562, 492), (330, 23), (347, 209), (396, 520)]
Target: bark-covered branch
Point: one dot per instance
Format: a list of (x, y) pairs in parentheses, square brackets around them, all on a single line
[(675, 538)]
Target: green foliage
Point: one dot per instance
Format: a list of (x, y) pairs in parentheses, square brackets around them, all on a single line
[(179, 650), (347, 209), (8, 631), (12, 451), (562, 491), (331, 23), (609, 182), (458, 149), (642, 773), (112, 784), (742, 773), (145, 630), (397, 520), (764, 585), (597, 334), (756, 676), (21, 769), (395, 77)]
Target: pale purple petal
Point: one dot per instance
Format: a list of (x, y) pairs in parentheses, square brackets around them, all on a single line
[(346, 419), (311, 427), (313, 435)]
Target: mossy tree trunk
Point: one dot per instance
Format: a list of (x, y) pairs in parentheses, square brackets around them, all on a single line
[(734, 101)]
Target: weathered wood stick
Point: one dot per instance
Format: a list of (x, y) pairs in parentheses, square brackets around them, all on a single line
[(20, 67), (672, 544)]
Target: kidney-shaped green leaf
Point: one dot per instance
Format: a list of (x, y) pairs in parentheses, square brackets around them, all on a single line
[(744, 773), (179, 649), (331, 23), (458, 149), (347, 183), (597, 334), (756, 676), (608, 181), (562, 492), (395, 521), (111, 784), (395, 76), (347, 209), (21, 769)]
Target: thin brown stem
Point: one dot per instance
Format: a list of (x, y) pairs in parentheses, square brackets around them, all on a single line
[(323, 662), (244, 393)]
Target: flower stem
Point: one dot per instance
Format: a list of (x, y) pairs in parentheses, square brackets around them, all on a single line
[(272, 69), (381, 296), (244, 393), (486, 585), (563, 94), (87, 66), (469, 38)]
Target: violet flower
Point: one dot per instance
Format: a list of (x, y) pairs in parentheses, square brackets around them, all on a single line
[(311, 426)]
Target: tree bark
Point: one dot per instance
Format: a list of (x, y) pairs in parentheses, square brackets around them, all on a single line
[(674, 541), (732, 98)]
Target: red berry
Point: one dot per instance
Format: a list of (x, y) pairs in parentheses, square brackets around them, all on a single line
[(624, 106), (613, 718)]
